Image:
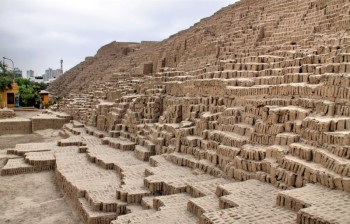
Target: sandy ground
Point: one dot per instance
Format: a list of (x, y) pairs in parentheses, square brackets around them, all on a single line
[(10, 141), (32, 198), (27, 114)]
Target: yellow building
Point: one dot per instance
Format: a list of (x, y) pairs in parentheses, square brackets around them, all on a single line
[(9, 97), (44, 95)]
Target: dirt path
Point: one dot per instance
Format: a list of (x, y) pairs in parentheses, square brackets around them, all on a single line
[(28, 114), (33, 199), (10, 141)]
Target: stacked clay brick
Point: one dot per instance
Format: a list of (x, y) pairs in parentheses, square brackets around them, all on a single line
[(7, 113), (107, 181), (258, 91)]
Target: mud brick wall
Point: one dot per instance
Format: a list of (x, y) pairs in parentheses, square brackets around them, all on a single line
[(260, 90), (270, 74), (47, 123), (14, 126), (5, 113)]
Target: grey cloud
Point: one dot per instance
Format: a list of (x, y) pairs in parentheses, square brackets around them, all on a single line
[(36, 34)]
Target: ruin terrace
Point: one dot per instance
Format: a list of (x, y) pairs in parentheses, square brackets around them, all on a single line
[(242, 118)]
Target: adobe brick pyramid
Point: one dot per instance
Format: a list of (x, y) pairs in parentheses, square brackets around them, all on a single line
[(242, 118)]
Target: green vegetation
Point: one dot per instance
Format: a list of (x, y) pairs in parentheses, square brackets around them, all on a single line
[(6, 78), (29, 92)]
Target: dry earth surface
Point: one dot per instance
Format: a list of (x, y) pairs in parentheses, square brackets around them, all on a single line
[(31, 198), (27, 114), (242, 118)]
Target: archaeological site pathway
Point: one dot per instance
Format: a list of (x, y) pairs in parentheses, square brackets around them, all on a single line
[(242, 118)]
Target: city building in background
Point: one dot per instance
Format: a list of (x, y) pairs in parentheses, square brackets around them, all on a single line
[(30, 74), (49, 76), (52, 74), (38, 79), (18, 72)]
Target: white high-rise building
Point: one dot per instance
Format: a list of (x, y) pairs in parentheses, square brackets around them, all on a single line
[(52, 74), (30, 74)]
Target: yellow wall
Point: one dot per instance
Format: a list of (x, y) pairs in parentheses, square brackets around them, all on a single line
[(45, 99), (3, 96)]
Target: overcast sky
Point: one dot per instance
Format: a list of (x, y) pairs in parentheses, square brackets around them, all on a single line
[(36, 34)]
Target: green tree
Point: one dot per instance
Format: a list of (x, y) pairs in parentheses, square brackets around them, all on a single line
[(28, 94), (29, 91), (6, 78), (22, 82)]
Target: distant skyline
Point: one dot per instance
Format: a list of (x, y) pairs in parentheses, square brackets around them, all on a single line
[(37, 34)]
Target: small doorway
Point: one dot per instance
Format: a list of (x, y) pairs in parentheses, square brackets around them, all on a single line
[(10, 98)]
